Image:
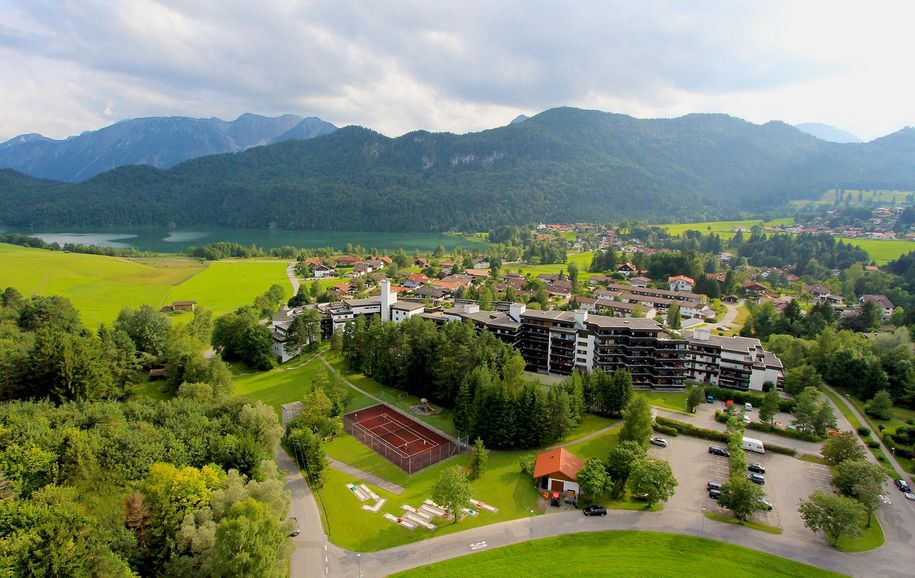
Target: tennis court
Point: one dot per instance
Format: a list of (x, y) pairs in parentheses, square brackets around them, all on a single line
[(404, 442)]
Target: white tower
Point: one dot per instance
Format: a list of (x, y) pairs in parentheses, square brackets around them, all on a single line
[(388, 299)]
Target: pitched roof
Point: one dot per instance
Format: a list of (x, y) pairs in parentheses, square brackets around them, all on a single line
[(557, 460), (689, 280)]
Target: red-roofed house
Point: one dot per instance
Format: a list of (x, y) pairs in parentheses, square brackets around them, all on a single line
[(627, 269), (681, 283), (556, 470)]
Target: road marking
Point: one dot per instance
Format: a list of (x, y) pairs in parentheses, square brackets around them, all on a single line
[(478, 545)]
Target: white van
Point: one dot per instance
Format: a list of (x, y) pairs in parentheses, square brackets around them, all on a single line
[(752, 445)]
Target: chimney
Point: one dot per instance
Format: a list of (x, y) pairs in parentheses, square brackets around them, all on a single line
[(388, 299), (515, 310), (580, 317)]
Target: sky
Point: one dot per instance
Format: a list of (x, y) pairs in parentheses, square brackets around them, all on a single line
[(396, 66)]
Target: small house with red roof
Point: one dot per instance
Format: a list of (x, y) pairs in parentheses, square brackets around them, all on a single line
[(556, 470)]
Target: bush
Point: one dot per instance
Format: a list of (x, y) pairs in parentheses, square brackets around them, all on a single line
[(667, 430), (739, 396), (864, 431), (527, 464), (881, 427), (873, 444), (689, 429), (781, 450)]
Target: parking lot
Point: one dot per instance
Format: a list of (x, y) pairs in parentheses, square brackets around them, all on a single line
[(788, 480)]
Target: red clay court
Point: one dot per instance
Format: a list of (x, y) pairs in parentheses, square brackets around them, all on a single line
[(404, 442)]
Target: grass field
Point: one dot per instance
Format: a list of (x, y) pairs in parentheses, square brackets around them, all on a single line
[(724, 229), (583, 260), (879, 196), (596, 447), (590, 423), (623, 553), (671, 401), (883, 251), (226, 285), (100, 286), (900, 416), (350, 451), (869, 539), (349, 526)]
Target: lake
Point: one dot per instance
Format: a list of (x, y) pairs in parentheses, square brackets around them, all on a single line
[(165, 240)]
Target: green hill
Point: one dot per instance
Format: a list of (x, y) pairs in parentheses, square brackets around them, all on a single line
[(561, 165)]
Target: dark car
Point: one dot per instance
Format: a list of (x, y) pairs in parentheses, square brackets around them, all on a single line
[(756, 479), (594, 511), (756, 468), (715, 450), (295, 527), (903, 485), (713, 486), (765, 504), (714, 494)]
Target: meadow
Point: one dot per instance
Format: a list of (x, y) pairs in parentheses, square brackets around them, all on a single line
[(858, 197), (583, 260), (99, 287), (620, 553), (724, 229), (883, 250)]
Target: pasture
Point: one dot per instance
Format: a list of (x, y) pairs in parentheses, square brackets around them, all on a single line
[(724, 229), (99, 286), (883, 250)]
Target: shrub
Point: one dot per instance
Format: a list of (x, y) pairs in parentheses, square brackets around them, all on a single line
[(667, 430), (881, 427), (873, 444), (864, 431), (527, 464), (910, 421), (689, 429), (806, 436), (781, 450)]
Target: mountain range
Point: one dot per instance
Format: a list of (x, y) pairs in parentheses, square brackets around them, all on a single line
[(160, 142), (827, 132), (562, 165)]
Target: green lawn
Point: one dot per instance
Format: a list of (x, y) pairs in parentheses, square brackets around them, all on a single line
[(671, 401), (596, 447), (900, 416), (590, 423), (621, 553), (390, 395), (150, 390), (747, 523), (349, 526), (98, 286), (883, 250), (284, 384), (226, 285), (350, 451), (869, 539)]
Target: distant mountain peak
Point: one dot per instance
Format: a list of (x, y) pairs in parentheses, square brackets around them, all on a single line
[(160, 142), (519, 118), (827, 132)]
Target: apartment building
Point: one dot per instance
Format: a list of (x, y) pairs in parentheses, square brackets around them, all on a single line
[(737, 362)]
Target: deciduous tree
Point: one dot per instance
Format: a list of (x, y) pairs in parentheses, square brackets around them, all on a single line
[(637, 421), (653, 479), (452, 491), (833, 515)]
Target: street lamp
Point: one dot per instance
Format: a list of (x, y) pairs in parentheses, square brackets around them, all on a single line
[(532, 523), (359, 562)]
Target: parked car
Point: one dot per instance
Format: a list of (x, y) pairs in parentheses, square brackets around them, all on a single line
[(756, 468), (710, 399), (756, 479), (713, 486), (715, 450), (765, 504), (903, 485), (660, 442), (595, 510), (714, 494), (295, 527), (748, 406), (746, 418)]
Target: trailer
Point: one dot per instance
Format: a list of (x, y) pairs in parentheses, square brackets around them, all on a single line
[(753, 445)]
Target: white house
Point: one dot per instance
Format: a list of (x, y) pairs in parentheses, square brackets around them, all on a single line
[(321, 271), (681, 283)]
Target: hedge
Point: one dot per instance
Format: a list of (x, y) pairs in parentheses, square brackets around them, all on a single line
[(781, 449), (691, 430), (902, 450), (721, 417), (667, 430), (739, 396)]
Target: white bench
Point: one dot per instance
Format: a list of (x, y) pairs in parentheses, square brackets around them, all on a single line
[(376, 507), (420, 521)]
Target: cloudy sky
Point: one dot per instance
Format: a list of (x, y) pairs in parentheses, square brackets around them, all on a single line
[(395, 66)]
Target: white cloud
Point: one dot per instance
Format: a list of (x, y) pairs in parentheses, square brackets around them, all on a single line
[(399, 66)]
